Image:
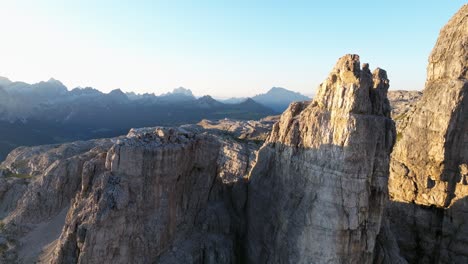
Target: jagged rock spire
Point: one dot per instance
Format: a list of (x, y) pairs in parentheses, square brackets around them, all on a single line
[(317, 192)]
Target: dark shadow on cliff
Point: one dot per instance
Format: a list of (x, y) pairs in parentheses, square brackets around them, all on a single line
[(309, 194), (430, 234), (456, 145)]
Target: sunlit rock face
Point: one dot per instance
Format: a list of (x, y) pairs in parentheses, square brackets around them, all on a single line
[(317, 192), (429, 168), (428, 160)]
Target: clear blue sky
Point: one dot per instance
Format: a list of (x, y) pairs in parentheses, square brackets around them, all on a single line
[(222, 48)]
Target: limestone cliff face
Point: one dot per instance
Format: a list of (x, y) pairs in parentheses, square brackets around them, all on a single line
[(166, 195), (317, 192), (428, 162), (181, 195), (429, 169), (37, 185), (149, 190)]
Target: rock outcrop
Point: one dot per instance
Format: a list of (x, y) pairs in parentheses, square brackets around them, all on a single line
[(157, 194), (428, 160), (428, 181), (317, 192), (149, 199), (37, 185)]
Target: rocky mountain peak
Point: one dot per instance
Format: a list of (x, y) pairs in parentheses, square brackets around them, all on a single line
[(249, 101), (50, 88), (278, 91), (117, 92), (351, 89), (85, 91), (207, 98), (53, 80), (117, 96), (207, 101), (349, 64), (278, 98), (448, 59), (178, 94), (322, 174), (315, 193), (183, 91)]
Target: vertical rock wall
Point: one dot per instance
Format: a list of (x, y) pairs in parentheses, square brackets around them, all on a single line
[(150, 199), (428, 181), (317, 192)]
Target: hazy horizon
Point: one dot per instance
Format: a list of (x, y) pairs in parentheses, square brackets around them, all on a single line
[(222, 49), (157, 94)]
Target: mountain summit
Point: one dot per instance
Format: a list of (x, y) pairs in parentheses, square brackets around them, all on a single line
[(178, 95), (182, 90), (46, 112), (278, 98)]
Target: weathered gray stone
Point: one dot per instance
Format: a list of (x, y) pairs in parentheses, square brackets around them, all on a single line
[(317, 192), (145, 200)]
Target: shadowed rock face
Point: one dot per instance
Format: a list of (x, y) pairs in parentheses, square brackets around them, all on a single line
[(37, 185), (429, 168), (317, 192), (149, 190), (157, 194)]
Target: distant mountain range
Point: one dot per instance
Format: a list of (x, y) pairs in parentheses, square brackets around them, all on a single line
[(47, 112), (276, 98)]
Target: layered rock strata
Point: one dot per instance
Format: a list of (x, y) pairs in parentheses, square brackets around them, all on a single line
[(317, 192)]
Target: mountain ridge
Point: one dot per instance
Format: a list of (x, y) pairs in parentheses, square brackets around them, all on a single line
[(53, 114), (276, 98)]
